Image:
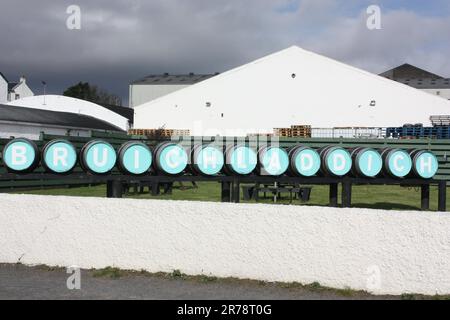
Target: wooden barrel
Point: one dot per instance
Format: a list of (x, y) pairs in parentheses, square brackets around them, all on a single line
[(171, 158), (240, 160), (98, 157), (303, 161), (206, 159), (20, 155), (135, 158), (367, 162), (424, 164), (273, 161), (59, 156), (336, 161), (397, 163)]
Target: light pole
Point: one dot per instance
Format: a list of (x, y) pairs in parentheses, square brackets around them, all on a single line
[(45, 89)]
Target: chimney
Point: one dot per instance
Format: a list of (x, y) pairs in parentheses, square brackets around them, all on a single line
[(23, 79)]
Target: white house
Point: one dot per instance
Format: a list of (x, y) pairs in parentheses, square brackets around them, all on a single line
[(10, 91), (3, 89), (290, 87)]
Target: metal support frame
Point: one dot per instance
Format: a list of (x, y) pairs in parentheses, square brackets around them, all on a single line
[(226, 191), (442, 195), (333, 194), (231, 184), (425, 197), (114, 189), (346, 193), (236, 192)]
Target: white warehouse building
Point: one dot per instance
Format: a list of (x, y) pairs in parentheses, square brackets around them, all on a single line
[(290, 87), (154, 86)]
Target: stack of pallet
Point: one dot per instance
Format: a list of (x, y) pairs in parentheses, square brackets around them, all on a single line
[(439, 121), (158, 132), (282, 132), (301, 131)]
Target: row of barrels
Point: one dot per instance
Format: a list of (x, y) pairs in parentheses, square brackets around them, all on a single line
[(169, 158)]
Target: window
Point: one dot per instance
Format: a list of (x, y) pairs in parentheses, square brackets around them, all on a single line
[(17, 96), (438, 93), (208, 104)]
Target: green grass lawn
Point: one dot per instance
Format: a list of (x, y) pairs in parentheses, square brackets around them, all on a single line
[(379, 197)]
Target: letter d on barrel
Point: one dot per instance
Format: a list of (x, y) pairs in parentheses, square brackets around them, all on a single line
[(336, 161)]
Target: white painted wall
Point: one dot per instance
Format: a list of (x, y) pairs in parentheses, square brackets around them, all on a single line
[(22, 90), (443, 93), (3, 90), (336, 247), (262, 95), (72, 105), (33, 131), (142, 93)]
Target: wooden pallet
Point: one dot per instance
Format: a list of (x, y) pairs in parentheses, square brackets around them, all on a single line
[(159, 132), (268, 135), (301, 131), (282, 132)]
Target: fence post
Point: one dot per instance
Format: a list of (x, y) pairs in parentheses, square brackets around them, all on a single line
[(226, 191), (346, 194), (114, 189), (442, 197), (425, 197), (236, 192), (333, 194)]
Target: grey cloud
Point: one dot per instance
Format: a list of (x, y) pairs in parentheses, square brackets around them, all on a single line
[(123, 40)]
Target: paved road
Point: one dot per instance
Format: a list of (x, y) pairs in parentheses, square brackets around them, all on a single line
[(20, 282)]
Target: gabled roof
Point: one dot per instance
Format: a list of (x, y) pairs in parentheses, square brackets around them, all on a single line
[(53, 118), (123, 111), (407, 71), (178, 79), (303, 88), (3, 76), (12, 86)]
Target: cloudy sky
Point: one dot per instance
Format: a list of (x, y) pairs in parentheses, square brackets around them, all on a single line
[(124, 40)]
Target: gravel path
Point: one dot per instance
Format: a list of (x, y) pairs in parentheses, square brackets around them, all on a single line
[(20, 282)]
